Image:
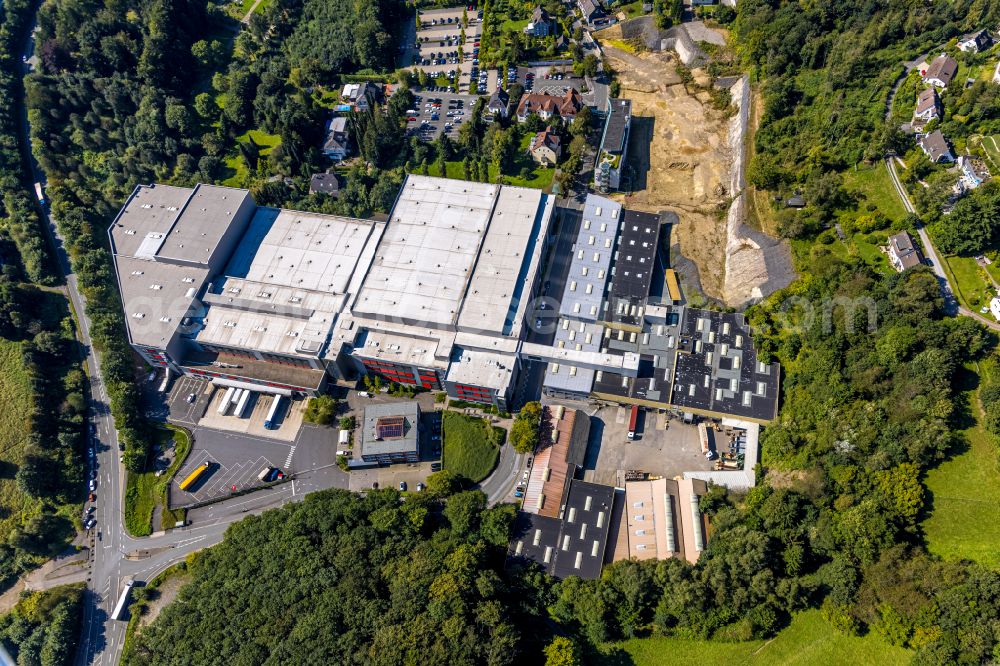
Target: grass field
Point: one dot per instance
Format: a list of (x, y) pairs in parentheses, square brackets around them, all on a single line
[(536, 176), (974, 291), (234, 163), (965, 491), (144, 491), (469, 448), (14, 405), (992, 149), (873, 185), (514, 26), (808, 640)]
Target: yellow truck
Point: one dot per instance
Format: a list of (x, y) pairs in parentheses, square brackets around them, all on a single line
[(195, 475)]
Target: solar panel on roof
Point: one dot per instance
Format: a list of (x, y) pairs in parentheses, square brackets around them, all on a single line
[(388, 427)]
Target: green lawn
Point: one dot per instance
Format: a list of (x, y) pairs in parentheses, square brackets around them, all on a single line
[(15, 404), (871, 253), (974, 291), (470, 448), (808, 640), (144, 491), (632, 9), (528, 173), (991, 146), (514, 26), (965, 492), (873, 185), (234, 163)]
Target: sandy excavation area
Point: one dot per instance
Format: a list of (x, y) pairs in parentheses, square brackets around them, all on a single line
[(682, 161), (686, 165)]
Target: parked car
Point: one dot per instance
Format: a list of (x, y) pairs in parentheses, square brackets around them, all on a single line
[(191, 397), (420, 487), (402, 486), (518, 493), (89, 524), (436, 467)]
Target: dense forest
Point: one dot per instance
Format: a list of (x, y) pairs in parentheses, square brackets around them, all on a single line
[(18, 215), (345, 579), (42, 628), (826, 70)]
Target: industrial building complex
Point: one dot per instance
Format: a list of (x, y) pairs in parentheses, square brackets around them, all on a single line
[(441, 296)]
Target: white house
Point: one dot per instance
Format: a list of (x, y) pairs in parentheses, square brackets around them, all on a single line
[(995, 308)]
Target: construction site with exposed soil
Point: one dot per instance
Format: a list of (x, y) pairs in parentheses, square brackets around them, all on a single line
[(686, 154)]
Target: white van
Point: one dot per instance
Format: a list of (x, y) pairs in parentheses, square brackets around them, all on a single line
[(364, 394)]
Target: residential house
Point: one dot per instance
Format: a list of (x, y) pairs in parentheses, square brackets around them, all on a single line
[(935, 146), (928, 108), (541, 24), (995, 308), (941, 71), (498, 104), (325, 183), (547, 106), (975, 42), (362, 95), (337, 145), (590, 10), (974, 172), (545, 148), (903, 253)]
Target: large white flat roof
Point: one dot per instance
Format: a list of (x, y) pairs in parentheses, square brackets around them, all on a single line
[(499, 288), (151, 209), (480, 368), (301, 250), (401, 347), (426, 255), (156, 296)]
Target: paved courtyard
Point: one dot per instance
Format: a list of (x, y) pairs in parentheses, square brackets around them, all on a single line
[(662, 447)]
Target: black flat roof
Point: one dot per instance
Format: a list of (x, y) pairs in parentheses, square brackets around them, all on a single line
[(635, 263), (573, 545), (534, 537), (755, 391), (616, 129), (748, 388)]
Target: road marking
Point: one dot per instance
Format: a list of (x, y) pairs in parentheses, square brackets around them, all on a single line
[(288, 460)]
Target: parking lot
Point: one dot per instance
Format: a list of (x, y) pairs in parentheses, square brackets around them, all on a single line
[(662, 447), (549, 80), (236, 460), (432, 117), (438, 41)]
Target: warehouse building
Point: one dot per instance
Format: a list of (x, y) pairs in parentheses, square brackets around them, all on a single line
[(284, 301), (440, 296), (669, 356)]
